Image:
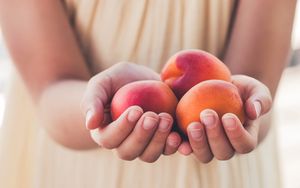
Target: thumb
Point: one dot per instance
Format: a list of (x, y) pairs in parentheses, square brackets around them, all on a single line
[(94, 101), (258, 104), (257, 96)]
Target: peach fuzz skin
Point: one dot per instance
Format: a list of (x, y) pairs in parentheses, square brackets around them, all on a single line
[(189, 67), (218, 95), (150, 95)]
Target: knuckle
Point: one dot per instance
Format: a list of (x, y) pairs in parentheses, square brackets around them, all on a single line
[(206, 159), (121, 65), (198, 147), (225, 156), (159, 139), (236, 136), (245, 150), (93, 80), (140, 139), (126, 156), (148, 159), (97, 81), (214, 134), (199, 144), (169, 151), (106, 143)]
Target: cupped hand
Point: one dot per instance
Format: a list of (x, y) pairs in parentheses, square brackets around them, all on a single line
[(135, 134), (222, 137)]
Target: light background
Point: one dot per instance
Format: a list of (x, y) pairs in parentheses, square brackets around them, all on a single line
[(286, 109)]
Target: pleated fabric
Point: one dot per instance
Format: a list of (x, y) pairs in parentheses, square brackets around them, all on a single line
[(145, 32)]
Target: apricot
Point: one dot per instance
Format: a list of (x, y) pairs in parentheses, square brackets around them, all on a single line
[(218, 95), (150, 95), (189, 67)]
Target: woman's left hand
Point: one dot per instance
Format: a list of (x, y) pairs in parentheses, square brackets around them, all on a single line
[(222, 137)]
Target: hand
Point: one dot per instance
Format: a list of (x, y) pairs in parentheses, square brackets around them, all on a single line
[(222, 138), (135, 133)]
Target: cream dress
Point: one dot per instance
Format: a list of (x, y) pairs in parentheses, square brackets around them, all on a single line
[(145, 32)]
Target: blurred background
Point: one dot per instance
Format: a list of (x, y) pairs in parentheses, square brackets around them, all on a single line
[(286, 107)]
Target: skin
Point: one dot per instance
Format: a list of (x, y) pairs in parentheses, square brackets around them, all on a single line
[(258, 46), (60, 82)]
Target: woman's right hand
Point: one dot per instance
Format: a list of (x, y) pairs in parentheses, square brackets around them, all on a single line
[(135, 134)]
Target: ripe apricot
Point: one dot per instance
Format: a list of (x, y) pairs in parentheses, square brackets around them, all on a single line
[(189, 67), (150, 95), (218, 95)]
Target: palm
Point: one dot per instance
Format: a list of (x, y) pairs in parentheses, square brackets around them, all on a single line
[(135, 133), (104, 85), (226, 135)]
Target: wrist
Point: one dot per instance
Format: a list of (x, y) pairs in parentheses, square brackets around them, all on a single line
[(60, 115)]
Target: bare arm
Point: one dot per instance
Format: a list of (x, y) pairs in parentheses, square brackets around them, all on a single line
[(260, 42), (45, 52), (44, 49), (258, 46)]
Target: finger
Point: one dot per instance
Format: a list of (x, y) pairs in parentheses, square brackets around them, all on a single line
[(257, 105), (94, 100), (243, 140), (122, 69), (112, 135), (107, 119), (199, 143), (173, 142), (218, 142), (102, 86), (257, 96), (156, 146), (137, 141), (185, 148)]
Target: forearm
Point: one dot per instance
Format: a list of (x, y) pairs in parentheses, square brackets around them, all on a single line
[(259, 43), (41, 43), (61, 116), (45, 51)]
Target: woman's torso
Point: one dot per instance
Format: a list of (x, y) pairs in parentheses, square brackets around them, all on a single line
[(145, 32)]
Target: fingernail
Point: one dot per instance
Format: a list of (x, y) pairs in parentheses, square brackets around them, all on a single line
[(149, 123), (257, 108), (208, 119), (164, 125), (197, 134), (134, 115), (229, 123), (88, 118)]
